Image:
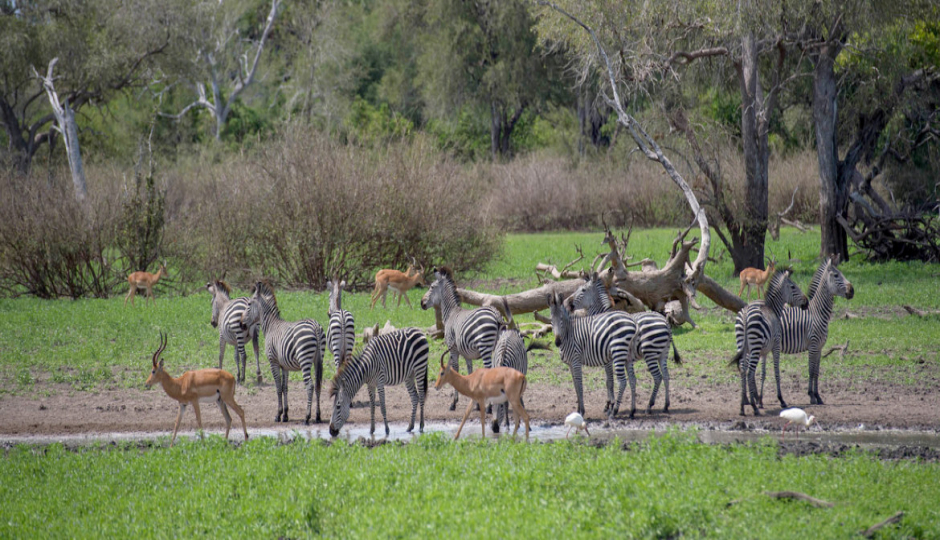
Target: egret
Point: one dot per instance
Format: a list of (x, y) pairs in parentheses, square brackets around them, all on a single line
[(796, 416), (576, 421)]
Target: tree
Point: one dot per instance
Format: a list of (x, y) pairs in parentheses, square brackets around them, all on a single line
[(224, 56), (66, 126), (484, 53), (104, 48)]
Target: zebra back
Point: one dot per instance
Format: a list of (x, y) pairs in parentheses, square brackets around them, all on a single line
[(341, 331)]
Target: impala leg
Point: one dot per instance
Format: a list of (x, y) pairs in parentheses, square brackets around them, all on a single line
[(482, 418), (179, 416), (225, 414), (130, 295), (198, 412), (230, 401), (520, 411), (462, 422), (405, 295)]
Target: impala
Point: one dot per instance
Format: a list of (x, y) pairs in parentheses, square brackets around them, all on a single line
[(399, 282), (754, 276), (487, 386), (144, 280), (194, 386)]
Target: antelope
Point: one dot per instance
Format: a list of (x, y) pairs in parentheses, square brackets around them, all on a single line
[(399, 282), (487, 386), (194, 386), (756, 277), (144, 280)]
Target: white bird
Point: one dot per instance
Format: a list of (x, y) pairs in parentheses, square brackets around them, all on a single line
[(576, 421), (796, 416)]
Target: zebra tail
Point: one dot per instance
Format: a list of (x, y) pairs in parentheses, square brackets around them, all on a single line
[(675, 354), (736, 360)]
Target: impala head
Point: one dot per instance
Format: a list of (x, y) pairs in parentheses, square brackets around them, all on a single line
[(837, 282), (443, 373), (787, 290), (415, 273), (157, 362), (561, 318), (162, 269), (220, 293), (341, 397)]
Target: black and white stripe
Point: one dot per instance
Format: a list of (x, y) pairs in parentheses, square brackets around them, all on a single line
[(652, 340), (758, 332), (341, 332), (289, 346), (467, 333), (807, 330), (595, 340), (227, 316), (387, 360)]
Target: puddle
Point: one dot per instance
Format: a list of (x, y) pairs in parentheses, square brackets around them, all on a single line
[(538, 432)]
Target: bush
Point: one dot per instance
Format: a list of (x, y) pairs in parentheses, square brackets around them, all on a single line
[(52, 246), (306, 207)]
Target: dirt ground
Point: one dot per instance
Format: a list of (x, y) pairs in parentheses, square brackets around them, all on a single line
[(855, 405)]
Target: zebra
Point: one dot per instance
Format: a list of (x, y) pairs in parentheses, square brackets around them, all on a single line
[(758, 332), (807, 330), (227, 317), (341, 332), (652, 340), (387, 360), (511, 351), (467, 333), (289, 346), (595, 340)]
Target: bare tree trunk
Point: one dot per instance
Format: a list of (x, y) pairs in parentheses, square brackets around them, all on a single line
[(65, 118), (832, 189), (749, 248)]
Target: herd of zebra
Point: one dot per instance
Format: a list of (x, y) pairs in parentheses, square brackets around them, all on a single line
[(588, 332)]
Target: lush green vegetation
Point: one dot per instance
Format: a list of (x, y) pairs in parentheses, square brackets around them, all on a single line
[(94, 343), (665, 487)]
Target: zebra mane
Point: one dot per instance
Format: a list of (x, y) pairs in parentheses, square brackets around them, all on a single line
[(223, 286), (447, 275), (350, 358)]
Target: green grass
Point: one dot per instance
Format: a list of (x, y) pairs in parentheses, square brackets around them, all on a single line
[(662, 488), (92, 343)]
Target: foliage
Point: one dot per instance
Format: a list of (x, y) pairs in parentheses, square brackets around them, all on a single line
[(369, 125), (667, 486), (142, 223)]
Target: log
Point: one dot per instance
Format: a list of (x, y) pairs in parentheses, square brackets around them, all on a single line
[(524, 302), (719, 295), (799, 496), (869, 532)]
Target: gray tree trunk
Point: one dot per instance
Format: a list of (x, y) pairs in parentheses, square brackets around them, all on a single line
[(832, 191)]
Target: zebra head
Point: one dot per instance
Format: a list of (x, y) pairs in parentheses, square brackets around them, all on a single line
[(341, 394), (838, 285), (335, 288), (443, 284), (782, 287), (220, 295), (262, 301), (561, 318), (591, 296)]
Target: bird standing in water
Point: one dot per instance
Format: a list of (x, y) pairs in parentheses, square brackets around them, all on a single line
[(796, 416), (576, 421)]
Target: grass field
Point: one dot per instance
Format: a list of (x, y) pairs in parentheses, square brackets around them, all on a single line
[(664, 488), (92, 343)]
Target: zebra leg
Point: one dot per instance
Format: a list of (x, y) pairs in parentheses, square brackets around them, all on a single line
[(254, 343), (620, 370), (814, 357), (455, 365), (783, 404), (575, 368), (742, 369), (413, 394), (385, 416), (609, 381), (372, 411), (632, 376), (653, 366), (222, 351), (763, 378), (276, 375), (318, 385), (308, 385), (285, 377), (752, 383), (665, 371), (241, 359)]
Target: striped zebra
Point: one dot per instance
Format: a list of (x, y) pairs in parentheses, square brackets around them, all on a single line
[(467, 333), (227, 317), (341, 332), (807, 330), (758, 332), (511, 351), (652, 340), (595, 340), (387, 360), (289, 346)]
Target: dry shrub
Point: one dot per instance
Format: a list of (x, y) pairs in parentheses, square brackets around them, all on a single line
[(50, 245), (306, 207)]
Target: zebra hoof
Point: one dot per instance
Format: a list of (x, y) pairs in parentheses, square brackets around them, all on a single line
[(495, 426), (632, 414), (453, 406), (307, 421), (410, 428)]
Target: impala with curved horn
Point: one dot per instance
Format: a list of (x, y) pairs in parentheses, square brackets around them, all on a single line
[(194, 386)]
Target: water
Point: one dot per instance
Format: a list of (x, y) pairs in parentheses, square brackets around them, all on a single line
[(538, 432)]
